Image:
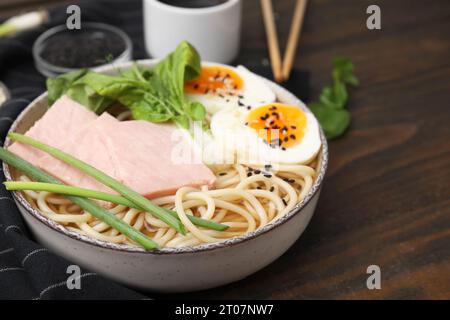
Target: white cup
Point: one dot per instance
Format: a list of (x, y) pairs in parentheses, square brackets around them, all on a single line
[(214, 31)]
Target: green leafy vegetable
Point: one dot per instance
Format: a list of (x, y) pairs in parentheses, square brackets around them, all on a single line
[(73, 86), (128, 193), (154, 95), (86, 193), (330, 109), (86, 204)]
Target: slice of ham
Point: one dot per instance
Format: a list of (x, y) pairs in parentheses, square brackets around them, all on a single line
[(148, 161), (136, 153), (89, 145), (64, 117)]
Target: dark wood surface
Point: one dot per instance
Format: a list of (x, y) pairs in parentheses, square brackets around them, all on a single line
[(386, 199)]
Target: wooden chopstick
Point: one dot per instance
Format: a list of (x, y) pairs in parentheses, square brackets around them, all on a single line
[(272, 39), (294, 34)]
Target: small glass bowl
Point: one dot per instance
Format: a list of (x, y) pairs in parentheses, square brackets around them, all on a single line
[(50, 70)]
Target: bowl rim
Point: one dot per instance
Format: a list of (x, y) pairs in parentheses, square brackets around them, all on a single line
[(20, 199)]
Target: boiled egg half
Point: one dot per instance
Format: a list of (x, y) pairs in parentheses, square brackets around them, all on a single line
[(219, 87), (271, 133)]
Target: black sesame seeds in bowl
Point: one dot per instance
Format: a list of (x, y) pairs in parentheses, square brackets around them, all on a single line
[(60, 50)]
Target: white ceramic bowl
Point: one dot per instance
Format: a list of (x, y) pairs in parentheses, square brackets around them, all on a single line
[(171, 269)]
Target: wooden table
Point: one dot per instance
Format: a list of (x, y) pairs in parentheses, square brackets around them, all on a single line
[(386, 199)]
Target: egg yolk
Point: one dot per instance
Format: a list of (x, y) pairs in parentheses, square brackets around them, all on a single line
[(279, 125), (215, 80)]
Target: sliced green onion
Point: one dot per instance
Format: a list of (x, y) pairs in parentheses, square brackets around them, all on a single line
[(128, 193), (86, 204), (92, 194)]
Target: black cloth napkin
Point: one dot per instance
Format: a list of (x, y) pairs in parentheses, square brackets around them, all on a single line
[(28, 270)]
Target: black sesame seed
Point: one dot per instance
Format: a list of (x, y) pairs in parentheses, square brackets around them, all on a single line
[(293, 127), (272, 188), (257, 171), (240, 96), (249, 174), (222, 173), (286, 139), (267, 167), (283, 148), (292, 136), (284, 202), (291, 181), (268, 175), (259, 188), (240, 104), (249, 107)]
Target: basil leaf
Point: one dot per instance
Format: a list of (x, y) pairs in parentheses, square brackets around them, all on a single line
[(334, 122), (334, 97), (330, 111), (343, 71)]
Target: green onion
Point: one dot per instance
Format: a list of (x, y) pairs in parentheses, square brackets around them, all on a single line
[(128, 193), (86, 193), (86, 204), (23, 22)]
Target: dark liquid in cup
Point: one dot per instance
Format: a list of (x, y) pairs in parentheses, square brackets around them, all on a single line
[(193, 3)]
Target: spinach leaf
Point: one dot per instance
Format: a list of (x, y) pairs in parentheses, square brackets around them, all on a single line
[(58, 86), (73, 86), (155, 95)]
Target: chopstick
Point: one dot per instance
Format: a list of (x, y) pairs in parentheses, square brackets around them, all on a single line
[(272, 39), (294, 34), (281, 71)]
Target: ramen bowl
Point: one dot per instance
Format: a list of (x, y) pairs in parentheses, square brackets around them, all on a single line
[(171, 269)]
